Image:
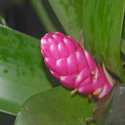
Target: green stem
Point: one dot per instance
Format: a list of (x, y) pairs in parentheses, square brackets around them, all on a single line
[(43, 15)]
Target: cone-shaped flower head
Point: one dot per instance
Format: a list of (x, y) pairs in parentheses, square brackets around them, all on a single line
[(73, 65)]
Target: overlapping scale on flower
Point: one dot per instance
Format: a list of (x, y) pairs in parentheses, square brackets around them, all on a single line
[(73, 65)]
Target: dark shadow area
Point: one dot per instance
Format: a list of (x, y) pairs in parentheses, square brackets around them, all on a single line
[(6, 119), (23, 18)]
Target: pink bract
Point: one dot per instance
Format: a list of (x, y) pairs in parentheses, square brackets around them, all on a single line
[(73, 65)]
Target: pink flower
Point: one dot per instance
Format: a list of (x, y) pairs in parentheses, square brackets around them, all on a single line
[(73, 65)]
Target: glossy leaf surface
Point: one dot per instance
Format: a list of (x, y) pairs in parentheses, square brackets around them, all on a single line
[(55, 107), (22, 71)]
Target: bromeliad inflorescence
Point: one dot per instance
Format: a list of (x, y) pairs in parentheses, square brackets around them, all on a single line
[(74, 66)]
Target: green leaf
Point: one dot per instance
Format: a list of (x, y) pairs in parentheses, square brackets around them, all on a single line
[(22, 71), (69, 13), (55, 107), (101, 22)]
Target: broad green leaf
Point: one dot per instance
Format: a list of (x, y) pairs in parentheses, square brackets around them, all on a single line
[(55, 107), (22, 71), (69, 13), (101, 23)]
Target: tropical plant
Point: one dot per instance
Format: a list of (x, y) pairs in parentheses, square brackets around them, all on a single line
[(27, 89)]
